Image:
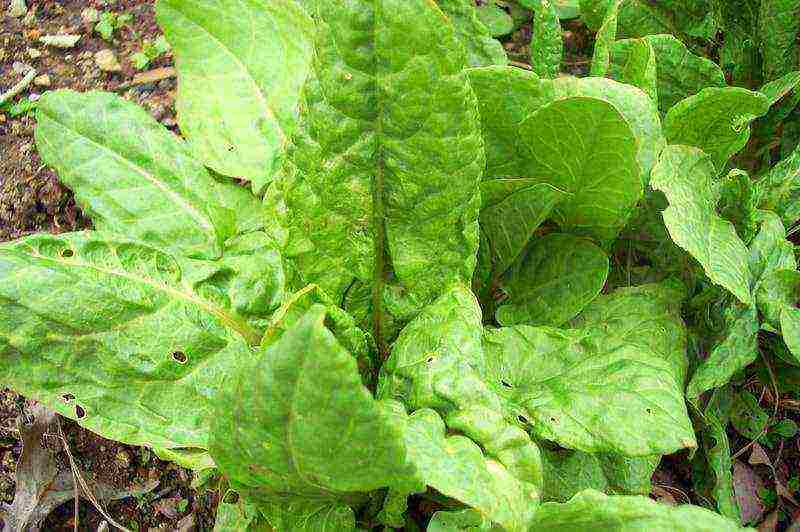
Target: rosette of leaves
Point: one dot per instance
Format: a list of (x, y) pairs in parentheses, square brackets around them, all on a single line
[(315, 336)]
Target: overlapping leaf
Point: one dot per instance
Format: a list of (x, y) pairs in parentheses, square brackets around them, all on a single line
[(547, 44), (242, 64), (482, 48)]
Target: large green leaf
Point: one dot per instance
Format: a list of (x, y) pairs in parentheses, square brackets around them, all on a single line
[(594, 160), (482, 48), (779, 25), (507, 96), (438, 362), (241, 64), (110, 332), (296, 427), (680, 73), (635, 64), (555, 278), (132, 175), (547, 44), (593, 510), (638, 18), (777, 296), (769, 250), (686, 177), (512, 210), (456, 467), (781, 188), (569, 389), (380, 191), (716, 120)]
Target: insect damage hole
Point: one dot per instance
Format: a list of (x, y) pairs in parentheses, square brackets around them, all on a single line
[(179, 357), (649, 411), (67, 253), (80, 413), (522, 419), (67, 398), (505, 383)]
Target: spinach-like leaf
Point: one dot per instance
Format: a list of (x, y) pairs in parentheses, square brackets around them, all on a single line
[(547, 44), (779, 26), (237, 105), (635, 64), (482, 48), (781, 188)]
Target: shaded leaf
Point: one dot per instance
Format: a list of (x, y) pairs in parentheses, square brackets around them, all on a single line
[(779, 26), (547, 45)]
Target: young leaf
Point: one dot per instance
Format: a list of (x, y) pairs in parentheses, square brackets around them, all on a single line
[(456, 467), (606, 36), (547, 44), (241, 66), (380, 192), (779, 26), (680, 73), (638, 68), (593, 510), (512, 210), (482, 48), (131, 174), (295, 427), (107, 331), (716, 120), (686, 177), (571, 390), (594, 159), (553, 281)]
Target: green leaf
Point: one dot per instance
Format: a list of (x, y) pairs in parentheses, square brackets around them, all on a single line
[(716, 120), (747, 417), (456, 467), (686, 177), (606, 36), (445, 341), (234, 517), (569, 390), (779, 26), (778, 295), (718, 454), (236, 104), (738, 203), (781, 188), (553, 281), (108, 331), (680, 73), (735, 351), (131, 174), (769, 250), (379, 198), (567, 473), (507, 96), (459, 521), (593, 510), (547, 44), (314, 436), (638, 18), (495, 18), (309, 516), (635, 64), (776, 90), (512, 211), (567, 8), (594, 159), (482, 48), (646, 316)]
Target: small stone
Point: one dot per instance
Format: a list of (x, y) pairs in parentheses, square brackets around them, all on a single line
[(90, 15), (107, 61), (17, 8), (60, 41), (42, 81), (123, 459), (33, 53)]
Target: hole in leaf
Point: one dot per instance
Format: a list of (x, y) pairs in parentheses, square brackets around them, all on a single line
[(231, 497), (505, 383), (429, 360), (67, 397), (80, 412), (649, 411), (179, 357), (67, 253), (522, 419), (231, 148), (553, 420)]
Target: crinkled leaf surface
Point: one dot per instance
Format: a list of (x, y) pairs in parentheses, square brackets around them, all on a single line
[(235, 517), (547, 44), (507, 96), (716, 120), (556, 277), (456, 467), (482, 48), (241, 64), (438, 362), (686, 177), (594, 160), (512, 210), (779, 25), (777, 296), (737, 349), (769, 250), (775, 90), (647, 316), (572, 391), (296, 427), (495, 18), (131, 174), (593, 510), (460, 521), (638, 18), (635, 64), (606, 36), (309, 516), (108, 331), (781, 188), (382, 177), (680, 73)]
